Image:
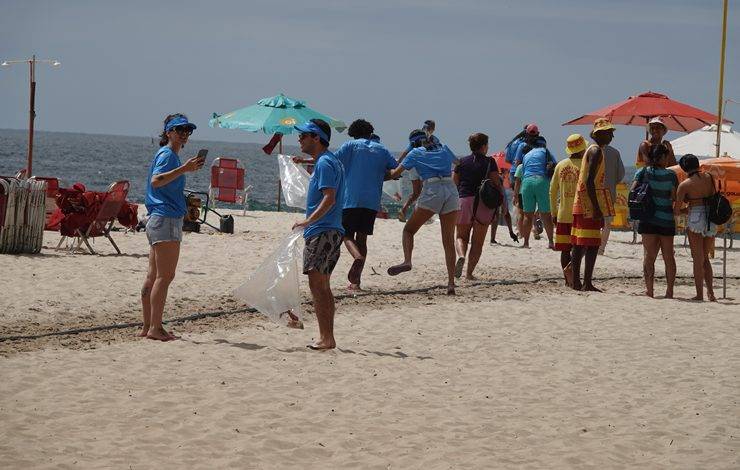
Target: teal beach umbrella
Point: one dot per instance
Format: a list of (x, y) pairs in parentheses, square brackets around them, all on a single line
[(273, 115)]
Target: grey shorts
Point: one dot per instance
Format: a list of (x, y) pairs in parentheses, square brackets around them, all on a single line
[(439, 196), (322, 252), (163, 229)]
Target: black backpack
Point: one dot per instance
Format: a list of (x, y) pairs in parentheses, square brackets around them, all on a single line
[(487, 193), (640, 203), (719, 209)]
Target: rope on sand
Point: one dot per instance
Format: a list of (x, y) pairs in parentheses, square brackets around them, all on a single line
[(200, 316)]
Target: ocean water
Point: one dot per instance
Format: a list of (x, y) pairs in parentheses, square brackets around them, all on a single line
[(99, 160)]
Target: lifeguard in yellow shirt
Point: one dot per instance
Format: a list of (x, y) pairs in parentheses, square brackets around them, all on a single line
[(563, 187)]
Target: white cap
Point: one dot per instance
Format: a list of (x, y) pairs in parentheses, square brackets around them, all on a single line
[(657, 120)]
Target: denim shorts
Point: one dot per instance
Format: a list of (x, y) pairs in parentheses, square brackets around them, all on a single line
[(163, 229), (439, 196)]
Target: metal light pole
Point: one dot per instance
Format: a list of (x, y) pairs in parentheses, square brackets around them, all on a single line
[(32, 100)]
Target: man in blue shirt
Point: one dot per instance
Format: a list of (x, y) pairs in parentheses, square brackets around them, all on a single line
[(322, 228), (366, 165)]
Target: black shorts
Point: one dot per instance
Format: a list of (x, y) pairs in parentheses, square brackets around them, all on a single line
[(322, 252), (646, 228), (358, 220)]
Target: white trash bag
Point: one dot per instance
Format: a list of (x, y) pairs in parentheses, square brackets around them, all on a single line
[(294, 181), (273, 287)]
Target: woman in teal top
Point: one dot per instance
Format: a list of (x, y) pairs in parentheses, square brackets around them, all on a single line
[(659, 229)]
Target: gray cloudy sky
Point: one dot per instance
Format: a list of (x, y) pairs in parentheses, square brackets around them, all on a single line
[(472, 65)]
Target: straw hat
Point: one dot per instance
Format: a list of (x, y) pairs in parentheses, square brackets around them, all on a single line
[(575, 143), (603, 124)]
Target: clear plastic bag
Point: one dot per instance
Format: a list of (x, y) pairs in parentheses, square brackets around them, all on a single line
[(294, 181), (393, 189), (273, 288)]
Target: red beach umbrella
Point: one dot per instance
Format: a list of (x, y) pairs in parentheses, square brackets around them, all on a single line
[(638, 110)]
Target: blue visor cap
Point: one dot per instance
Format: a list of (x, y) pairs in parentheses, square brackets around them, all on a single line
[(309, 126), (179, 121), (416, 136)]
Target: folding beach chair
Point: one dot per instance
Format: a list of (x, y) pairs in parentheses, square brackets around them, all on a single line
[(227, 182), (100, 221), (52, 189)]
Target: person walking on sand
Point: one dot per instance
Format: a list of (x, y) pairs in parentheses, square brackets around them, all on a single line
[(166, 207), (659, 228), (428, 128), (438, 196), (701, 232), (591, 204), (474, 214), (535, 187), (322, 228), (562, 192), (366, 164)]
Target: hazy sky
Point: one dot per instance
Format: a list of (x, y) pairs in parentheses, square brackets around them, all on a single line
[(484, 66)]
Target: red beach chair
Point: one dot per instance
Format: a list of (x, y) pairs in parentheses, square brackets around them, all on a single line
[(227, 182), (100, 212)]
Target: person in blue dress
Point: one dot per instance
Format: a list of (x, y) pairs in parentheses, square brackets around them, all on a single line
[(366, 165), (438, 195), (322, 227), (165, 205)]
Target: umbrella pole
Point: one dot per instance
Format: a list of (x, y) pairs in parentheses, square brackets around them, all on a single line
[(721, 79), (724, 263), (280, 186)]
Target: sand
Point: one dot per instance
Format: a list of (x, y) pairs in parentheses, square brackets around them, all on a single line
[(515, 372)]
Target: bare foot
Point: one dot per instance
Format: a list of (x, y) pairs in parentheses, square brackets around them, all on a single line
[(398, 269), (568, 274), (577, 285), (668, 294), (144, 331), (451, 290), (649, 293), (322, 346), (589, 288), (354, 287), (471, 277), (711, 297), (159, 334), (698, 298), (355, 272)]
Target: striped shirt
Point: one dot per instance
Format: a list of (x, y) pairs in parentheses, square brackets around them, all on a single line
[(662, 183)]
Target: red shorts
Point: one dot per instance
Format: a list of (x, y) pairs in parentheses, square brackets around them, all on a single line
[(586, 231), (563, 237)]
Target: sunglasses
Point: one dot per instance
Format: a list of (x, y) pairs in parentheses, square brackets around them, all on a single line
[(183, 130), (303, 135)]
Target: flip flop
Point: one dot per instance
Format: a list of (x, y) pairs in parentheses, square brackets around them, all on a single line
[(398, 269), (459, 266)]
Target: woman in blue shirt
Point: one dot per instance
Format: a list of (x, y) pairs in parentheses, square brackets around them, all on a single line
[(165, 204), (438, 195), (659, 229)]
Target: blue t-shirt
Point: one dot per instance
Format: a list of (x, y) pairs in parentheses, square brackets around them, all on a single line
[(661, 182), (522, 149), (430, 163), (535, 162), (365, 163), (167, 200), (328, 173)]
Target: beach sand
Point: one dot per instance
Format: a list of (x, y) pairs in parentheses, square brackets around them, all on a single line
[(515, 372)]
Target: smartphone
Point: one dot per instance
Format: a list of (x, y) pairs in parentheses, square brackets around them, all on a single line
[(202, 154)]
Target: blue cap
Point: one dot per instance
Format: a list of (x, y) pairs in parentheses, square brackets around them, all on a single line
[(311, 127), (179, 121), (416, 135)]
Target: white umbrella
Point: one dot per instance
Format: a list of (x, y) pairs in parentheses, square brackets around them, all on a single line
[(702, 142)]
